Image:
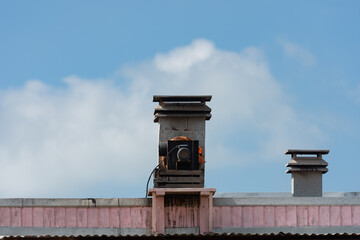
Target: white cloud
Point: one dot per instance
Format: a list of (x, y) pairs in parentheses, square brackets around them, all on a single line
[(245, 97), (297, 52), (181, 59), (55, 140)]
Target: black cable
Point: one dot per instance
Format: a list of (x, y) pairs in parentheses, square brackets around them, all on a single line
[(147, 184)]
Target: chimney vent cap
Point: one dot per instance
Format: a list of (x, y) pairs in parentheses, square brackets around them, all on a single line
[(298, 151), (182, 98)]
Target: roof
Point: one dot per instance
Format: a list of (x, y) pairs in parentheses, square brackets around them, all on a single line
[(245, 215)]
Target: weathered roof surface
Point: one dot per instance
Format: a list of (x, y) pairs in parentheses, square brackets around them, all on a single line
[(220, 199), (281, 194), (74, 202)]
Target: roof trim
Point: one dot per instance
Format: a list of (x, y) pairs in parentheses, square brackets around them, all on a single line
[(231, 199)]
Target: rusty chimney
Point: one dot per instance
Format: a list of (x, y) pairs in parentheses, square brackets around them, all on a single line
[(306, 168), (181, 140)]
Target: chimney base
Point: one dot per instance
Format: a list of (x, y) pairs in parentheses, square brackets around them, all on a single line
[(306, 184)]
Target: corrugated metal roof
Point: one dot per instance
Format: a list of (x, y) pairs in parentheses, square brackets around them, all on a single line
[(280, 235)]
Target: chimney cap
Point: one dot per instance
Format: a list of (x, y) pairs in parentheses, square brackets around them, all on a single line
[(182, 98), (299, 151)]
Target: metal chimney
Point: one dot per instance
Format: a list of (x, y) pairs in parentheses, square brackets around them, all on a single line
[(306, 168), (181, 140)]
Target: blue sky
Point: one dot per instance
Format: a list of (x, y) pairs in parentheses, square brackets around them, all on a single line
[(77, 79)]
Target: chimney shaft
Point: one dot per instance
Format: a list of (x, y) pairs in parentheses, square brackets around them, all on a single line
[(181, 117), (306, 168)]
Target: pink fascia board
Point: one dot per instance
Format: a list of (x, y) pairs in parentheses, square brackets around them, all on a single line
[(81, 217), (15, 217), (27, 217), (216, 217), (60, 217), (302, 216), (5, 213), (177, 217), (356, 215), (258, 216), (140, 217), (291, 216), (226, 217), (324, 216), (49, 217), (70, 217), (335, 216), (269, 216), (93, 217), (38, 217), (193, 216), (346, 216), (280, 216), (114, 217), (313, 215), (236, 217), (170, 217), (286, 216), (125, 218), (180, 217), (104, 217), (247, 217)]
